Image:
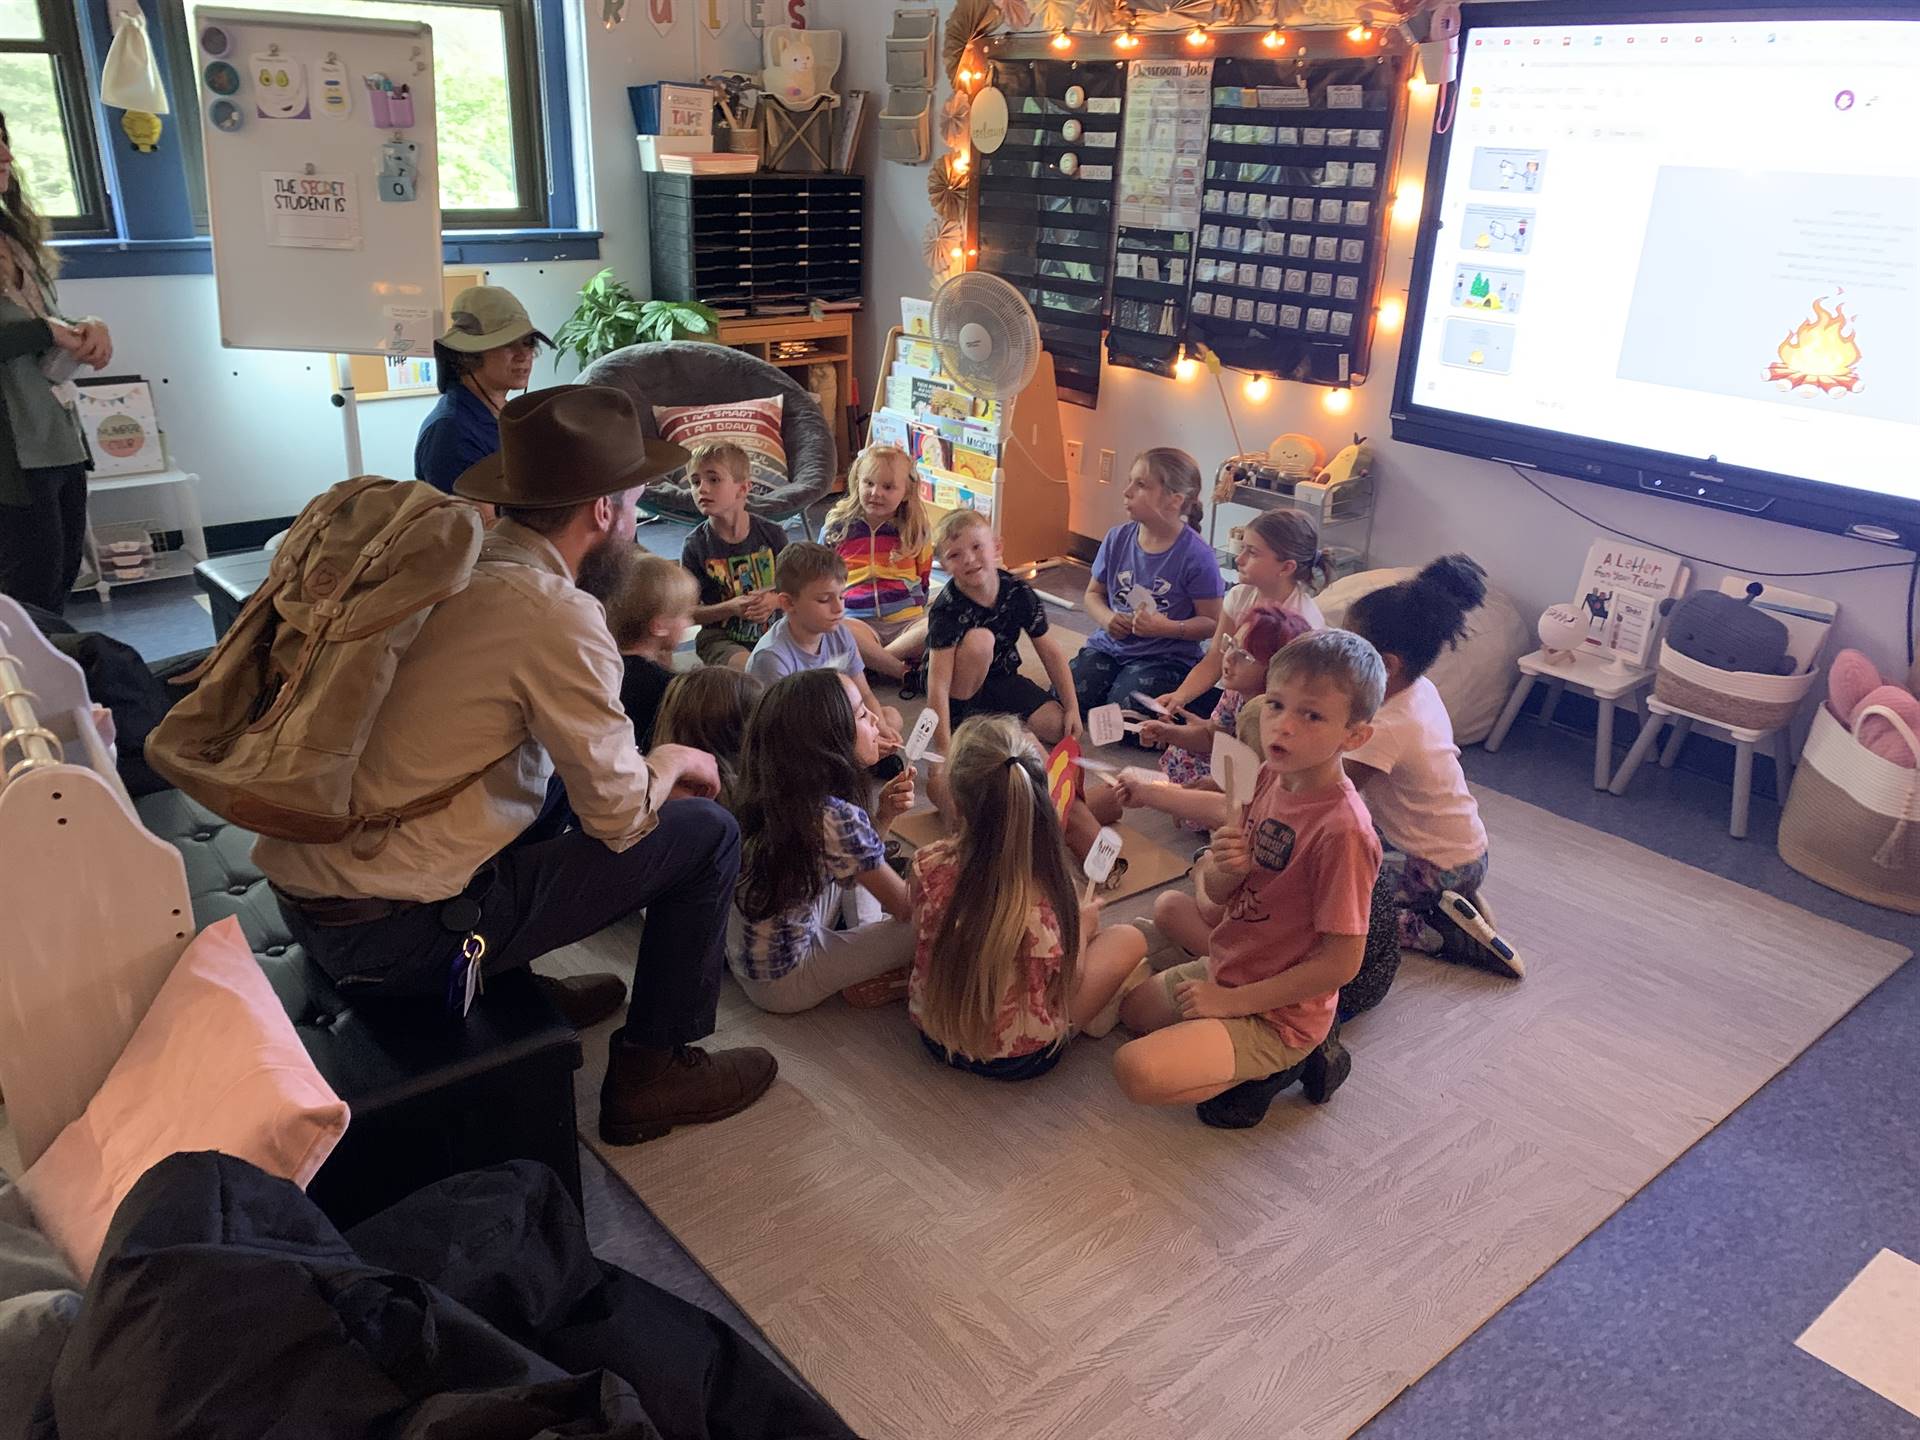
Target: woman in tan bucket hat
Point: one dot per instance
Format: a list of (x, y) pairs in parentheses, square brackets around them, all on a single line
[(486, 354)]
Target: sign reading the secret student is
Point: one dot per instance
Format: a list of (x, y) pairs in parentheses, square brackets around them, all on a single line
[(312, 212)]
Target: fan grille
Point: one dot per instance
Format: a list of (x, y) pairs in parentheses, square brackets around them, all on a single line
[(988, 340)]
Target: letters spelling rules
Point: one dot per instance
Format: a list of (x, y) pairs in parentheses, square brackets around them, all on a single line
[(309, 195)]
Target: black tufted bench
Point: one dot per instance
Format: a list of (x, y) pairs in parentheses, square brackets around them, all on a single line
[(431, 1097)]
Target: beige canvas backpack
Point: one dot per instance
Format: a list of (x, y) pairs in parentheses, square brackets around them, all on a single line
[(273, 729)]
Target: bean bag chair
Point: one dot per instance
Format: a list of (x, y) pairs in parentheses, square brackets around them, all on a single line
[(693, 372), (1476, 677)]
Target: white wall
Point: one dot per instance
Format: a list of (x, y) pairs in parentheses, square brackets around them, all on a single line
[(259, 426), (1429, 502)]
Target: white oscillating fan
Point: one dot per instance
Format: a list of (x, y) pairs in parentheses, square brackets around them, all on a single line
[(989, 346), (988, 340)]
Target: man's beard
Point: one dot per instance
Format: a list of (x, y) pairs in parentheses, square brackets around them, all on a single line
[(604, 566)]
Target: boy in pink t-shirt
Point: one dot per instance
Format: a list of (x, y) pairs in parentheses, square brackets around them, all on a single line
[(1296, 882)]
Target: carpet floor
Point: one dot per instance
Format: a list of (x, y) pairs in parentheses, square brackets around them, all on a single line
[(943, 1256)]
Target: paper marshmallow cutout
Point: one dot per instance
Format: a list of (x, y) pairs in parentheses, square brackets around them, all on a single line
[(1105, 725), (922, 735), (1106, 850), (1148, 703), (1235, 768)]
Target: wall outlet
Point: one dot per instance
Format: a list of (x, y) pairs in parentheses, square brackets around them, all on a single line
[(1073, 457), (1106, 467)]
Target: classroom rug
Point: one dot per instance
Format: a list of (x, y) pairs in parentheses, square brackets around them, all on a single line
[(1149, 865), (945, 1256)]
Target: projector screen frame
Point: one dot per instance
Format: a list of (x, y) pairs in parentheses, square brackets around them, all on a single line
[(1786, 499)]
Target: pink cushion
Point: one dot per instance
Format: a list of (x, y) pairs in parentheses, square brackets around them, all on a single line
[(753, 425), (1850, 679), (215, 1065), (1874, 732)]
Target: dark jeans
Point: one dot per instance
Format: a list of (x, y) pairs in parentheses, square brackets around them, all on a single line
[(540, 894), (40, 542), (1101, 679)]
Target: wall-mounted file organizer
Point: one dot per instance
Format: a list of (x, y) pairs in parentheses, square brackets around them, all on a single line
[(1294, 213), (1044, 205), (910, 49), (906, 126)]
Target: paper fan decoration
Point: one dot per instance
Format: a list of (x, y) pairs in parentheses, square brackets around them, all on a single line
[(947, 189), (953, 119), (1098, 15), (1018, 13), (1053, 15), (1173, 14), (942, 239), (971, 22)]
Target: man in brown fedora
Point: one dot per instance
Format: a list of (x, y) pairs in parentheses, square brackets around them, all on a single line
[(517, 677)]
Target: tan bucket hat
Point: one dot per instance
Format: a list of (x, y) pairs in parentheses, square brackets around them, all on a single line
[(485, 317)]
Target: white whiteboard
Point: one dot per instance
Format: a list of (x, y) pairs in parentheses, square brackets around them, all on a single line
[(307, 255)]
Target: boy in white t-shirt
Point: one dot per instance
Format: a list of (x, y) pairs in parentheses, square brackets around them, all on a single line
[(1409, 769)]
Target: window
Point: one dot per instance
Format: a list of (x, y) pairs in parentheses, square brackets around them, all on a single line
[(493, 171), (45, 95)]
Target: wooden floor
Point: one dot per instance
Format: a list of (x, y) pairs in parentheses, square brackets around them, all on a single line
[(944, 1256)]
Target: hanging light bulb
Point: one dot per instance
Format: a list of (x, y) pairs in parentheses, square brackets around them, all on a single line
[(1337, 402), (1419, 89), (1126, 40), (1274, 40), (1406, 202), (1186, 367), (956, 253), (1391, 313), (1359, 34), (960, 161), (1061, 41), (1197, 36), (1257, 388)]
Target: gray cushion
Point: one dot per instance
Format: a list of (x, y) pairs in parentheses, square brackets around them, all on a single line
[(37, 1307), (690, 372)]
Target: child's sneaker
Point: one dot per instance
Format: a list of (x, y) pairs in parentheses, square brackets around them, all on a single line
[(1247, 1103), (1326, 1069), (1467, 936), (913, 684)]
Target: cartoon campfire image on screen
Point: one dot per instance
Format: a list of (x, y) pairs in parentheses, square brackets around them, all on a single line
[(1819, 352)]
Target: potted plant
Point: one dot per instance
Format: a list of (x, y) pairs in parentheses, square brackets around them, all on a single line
[(610, 317)]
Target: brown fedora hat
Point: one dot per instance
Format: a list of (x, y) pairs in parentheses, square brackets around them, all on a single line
[(567, 445)]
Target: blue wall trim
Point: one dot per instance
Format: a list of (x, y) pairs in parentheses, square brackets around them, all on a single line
[(149, 190), (563, 204), (110, 259)]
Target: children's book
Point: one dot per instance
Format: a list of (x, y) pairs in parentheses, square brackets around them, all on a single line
[(974, 464), (916, 315), (888, 428), (1621, 588)]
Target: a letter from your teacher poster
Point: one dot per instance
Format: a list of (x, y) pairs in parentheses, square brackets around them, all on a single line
[(313, 212)]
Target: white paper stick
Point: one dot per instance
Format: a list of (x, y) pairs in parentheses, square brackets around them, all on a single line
[(922, 735), (1147, 702), (1100, 858)]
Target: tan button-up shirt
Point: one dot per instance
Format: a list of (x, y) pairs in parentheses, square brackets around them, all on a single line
[(517, 676)]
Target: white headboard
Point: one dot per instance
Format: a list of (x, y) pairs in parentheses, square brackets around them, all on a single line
[(96, 907)]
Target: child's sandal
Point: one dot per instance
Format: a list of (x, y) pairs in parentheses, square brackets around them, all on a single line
[(880, 990), (1115, 875)]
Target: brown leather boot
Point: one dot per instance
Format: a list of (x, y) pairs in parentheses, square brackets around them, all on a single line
[(583, 1000), (648, 1091)]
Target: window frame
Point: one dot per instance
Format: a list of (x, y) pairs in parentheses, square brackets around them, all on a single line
[(73, 84), (521, 28)]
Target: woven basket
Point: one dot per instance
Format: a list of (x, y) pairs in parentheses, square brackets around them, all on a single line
[(1852, 820), (1739, 698)]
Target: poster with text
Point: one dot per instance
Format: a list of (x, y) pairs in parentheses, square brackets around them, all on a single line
[(311, 212)]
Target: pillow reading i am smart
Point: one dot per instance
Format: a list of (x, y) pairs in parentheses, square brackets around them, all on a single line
[(753, 425)]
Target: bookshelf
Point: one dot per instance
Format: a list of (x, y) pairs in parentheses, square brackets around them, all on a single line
[(758, 244), (1015, 462), (797, 343)]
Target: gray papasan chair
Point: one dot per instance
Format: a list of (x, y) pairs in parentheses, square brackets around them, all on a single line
[(692, 372)]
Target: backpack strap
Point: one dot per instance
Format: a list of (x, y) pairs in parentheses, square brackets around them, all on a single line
[(372, 832)]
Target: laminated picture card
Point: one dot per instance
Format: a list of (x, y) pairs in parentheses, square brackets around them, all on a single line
[(121, 429)]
